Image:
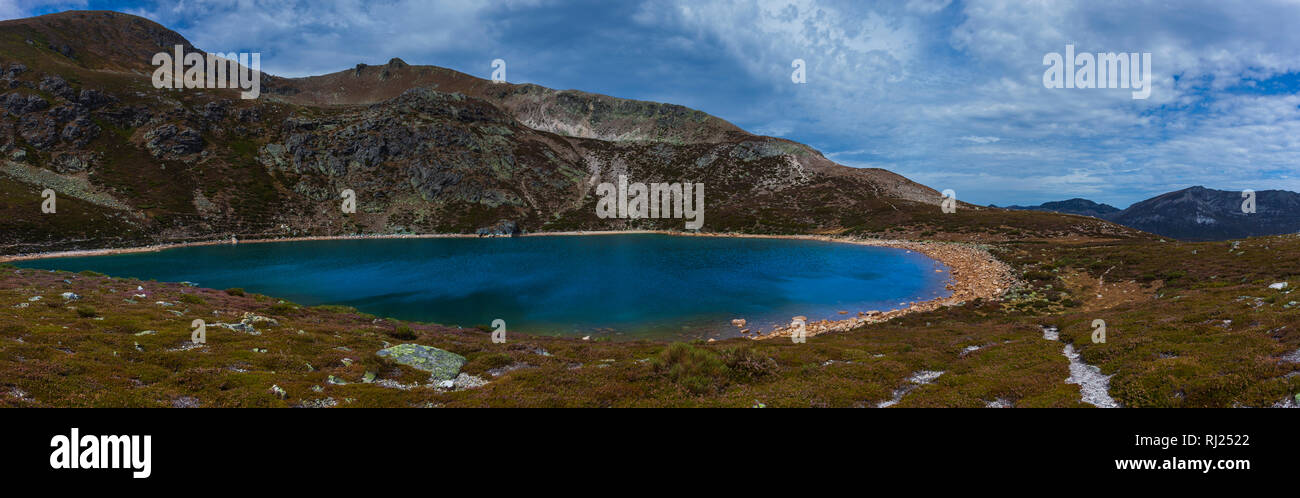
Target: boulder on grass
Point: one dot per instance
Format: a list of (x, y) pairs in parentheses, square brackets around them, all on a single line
[(441, 365)]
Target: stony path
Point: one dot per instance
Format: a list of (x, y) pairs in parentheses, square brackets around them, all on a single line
[(1094, 386)]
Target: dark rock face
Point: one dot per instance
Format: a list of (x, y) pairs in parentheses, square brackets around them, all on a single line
[(58, 86), (39, 130), (249, 115), (80, 132), (168, 139), (15, 70), (216, 111), (503, 228), (62, 48), (128, 117), (17, 104), (94, 99), (65, 113), (71, 163)]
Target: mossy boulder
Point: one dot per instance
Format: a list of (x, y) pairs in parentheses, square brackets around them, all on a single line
[(441, 365)]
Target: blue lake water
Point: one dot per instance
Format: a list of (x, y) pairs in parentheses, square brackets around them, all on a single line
[(616, 286)]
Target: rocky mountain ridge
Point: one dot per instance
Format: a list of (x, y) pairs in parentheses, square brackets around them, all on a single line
[(424, 149), (1196, 213)]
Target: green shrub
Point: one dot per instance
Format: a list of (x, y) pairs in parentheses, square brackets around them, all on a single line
[(695, 369), (334, 308), (192, 299), (494, 360), (282, 308), (235, 291), (403, 332), (87, 312), (745, 364), (89, 273)]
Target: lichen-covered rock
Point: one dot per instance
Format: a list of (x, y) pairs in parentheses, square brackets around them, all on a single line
[(441, 365)]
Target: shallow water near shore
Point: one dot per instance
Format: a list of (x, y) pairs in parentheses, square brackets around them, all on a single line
[(607, 286)]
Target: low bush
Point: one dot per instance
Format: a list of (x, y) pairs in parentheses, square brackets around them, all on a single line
[(748, 365), (403, 332), (695, 369)]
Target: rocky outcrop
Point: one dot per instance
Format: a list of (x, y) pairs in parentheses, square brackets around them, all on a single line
[(170, 140), (441, 365), (503, 228)]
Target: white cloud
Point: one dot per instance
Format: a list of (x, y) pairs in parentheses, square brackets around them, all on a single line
[(956, 97), (302, 38)]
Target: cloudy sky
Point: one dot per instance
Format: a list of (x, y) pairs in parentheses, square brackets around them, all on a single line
[(949, 93)]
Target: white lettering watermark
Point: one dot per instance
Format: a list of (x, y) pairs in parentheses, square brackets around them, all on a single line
[(499, 331), (209, 71), (498, 70), (1099, 331), (48, 205), (1101, 70), (200, 334), (102, 452), (949, 203), (659, 200), (800, 333), (349, 205)]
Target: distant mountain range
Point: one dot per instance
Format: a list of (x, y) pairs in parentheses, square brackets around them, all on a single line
[(1195, 213), (1083, 207)]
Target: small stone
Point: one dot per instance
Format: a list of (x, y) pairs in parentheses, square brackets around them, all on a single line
[(146, 332), (279, 391)]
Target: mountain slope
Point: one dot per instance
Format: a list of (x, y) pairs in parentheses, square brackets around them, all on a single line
[(1077, 206), (1198, 213), (425, 149)]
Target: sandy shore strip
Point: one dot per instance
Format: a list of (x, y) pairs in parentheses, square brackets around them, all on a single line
[(972, 272)]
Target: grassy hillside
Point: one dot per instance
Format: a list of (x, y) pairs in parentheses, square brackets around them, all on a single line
[(1189, 325)]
